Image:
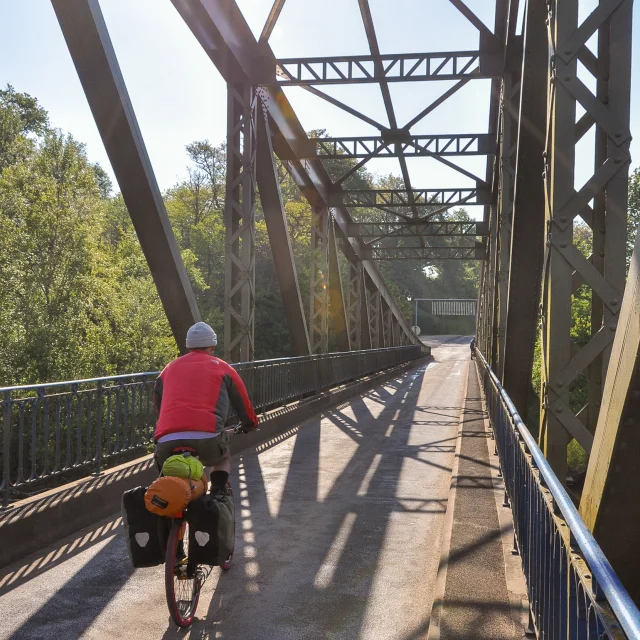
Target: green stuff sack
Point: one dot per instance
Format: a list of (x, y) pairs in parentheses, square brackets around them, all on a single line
[(180, 466)]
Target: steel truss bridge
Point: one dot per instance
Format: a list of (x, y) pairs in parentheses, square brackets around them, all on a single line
[(551, 88)]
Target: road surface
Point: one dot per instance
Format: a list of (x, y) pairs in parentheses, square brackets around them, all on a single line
[(338, 533)]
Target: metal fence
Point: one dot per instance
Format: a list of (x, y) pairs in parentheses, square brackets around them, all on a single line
[(573, 591), (61, 431)]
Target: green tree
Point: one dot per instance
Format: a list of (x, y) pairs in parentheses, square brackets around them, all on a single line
[(633, 212), (21, 119), (77, 297)]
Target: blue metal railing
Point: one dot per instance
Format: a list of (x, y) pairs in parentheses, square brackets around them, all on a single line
[(67, 430), (573, 591)]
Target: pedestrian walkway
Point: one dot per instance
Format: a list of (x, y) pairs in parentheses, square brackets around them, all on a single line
[(481, 591)]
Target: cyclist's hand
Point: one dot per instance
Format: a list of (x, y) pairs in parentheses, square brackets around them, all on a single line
[(244, 429)]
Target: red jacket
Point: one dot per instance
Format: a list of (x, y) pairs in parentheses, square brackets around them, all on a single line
[(194, 393)]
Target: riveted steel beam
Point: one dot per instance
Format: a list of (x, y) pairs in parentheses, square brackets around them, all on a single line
[(609, 497), (337, 306), (472, 18), (374, 313), (527, 234), (604, 274), (319, 273), (411, 229), (95, 60), (354, 303), (385, 198), (394, 144), (240, 219), (449, 65), (476, 252), (366, 338), (278, 230), (272, 19), (495, 42), (509, 101)]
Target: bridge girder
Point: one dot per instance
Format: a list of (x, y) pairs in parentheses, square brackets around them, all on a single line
[(224, 34), (395, 144), (604, 272), (609, 497), (94, 58), (408, 228), (278, 230), (475, 252), (388, 198), (527, 232), (408, 67)]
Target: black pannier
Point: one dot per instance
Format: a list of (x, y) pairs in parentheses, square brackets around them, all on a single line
[(145, 533), (211, 529)]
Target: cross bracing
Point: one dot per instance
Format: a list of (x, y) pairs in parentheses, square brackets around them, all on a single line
[(450, 65), (411, 228), (393, 144), (404, 197), (475, 252)]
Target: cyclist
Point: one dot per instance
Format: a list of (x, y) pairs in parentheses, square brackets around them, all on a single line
[(472, 346), (192, 397)]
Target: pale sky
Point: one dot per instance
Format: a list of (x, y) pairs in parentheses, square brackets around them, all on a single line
[(179, 96)]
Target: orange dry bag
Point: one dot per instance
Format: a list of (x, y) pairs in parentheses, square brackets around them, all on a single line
[(168, 496), (199, 488)]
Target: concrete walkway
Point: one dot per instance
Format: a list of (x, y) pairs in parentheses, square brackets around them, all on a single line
[(481, 592), (339, 527)]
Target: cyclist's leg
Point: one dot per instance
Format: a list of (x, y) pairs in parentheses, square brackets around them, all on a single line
[(220, 473), (215, 453)]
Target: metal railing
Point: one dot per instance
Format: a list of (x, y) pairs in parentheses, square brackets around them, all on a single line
[(573, 590), (65, 430)]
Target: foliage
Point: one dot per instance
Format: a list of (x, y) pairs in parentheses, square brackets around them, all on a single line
[(633, 212), (78, 299)]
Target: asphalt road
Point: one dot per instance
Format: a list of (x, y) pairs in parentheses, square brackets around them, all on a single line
[(338, 533)]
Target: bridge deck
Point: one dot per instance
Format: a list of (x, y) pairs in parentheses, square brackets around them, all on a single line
[(339, 527)]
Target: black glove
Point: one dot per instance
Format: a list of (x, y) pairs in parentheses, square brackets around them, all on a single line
[(244, 429)]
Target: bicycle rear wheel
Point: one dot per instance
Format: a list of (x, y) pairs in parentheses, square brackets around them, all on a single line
[(182, 580)]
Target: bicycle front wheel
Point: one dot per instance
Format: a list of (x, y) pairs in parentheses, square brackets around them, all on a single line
[(182, 579)]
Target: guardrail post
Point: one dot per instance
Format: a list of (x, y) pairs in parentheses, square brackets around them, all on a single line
[(42, 395), (99, 393), (6, 456)]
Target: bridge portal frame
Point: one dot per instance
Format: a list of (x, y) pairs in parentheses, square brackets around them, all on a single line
[(467, 300), (222, 31)]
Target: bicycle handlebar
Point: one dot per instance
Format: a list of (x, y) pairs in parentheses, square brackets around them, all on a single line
[(236, 429)]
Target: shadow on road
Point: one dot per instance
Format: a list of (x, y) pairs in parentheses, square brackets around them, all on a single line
[(311, 530)]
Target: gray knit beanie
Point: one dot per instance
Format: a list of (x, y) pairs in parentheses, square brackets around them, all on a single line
[(201, 336)]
